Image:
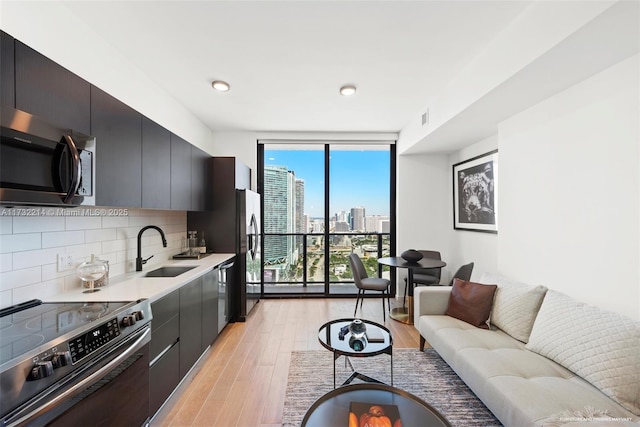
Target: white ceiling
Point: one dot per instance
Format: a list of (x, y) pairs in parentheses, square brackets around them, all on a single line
[(286, 60)]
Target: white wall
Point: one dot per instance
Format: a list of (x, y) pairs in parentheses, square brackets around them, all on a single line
[(29, 245), (472, 246), (425, 213), (570, 194), (517, 47), (76, 47), (423, 206)]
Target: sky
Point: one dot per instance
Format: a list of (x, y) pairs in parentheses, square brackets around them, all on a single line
[(357, 178)]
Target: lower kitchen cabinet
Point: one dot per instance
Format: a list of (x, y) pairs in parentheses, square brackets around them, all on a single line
[(185, 323), (190, 324), (164, 377), (164, 350), (209, 308)]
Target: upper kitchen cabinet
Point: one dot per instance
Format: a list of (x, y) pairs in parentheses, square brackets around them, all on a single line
[(7, 70), (227, 174), (118, 131), (156, 165), (180, 173), (50, 91), (199, 172)]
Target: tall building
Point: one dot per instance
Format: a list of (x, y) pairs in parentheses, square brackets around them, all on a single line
[(357, 219), (276, 208), (377, 224), (300, 222), (284, 214)]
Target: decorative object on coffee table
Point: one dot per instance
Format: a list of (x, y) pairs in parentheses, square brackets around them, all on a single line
[(332, 336), (332, 410)]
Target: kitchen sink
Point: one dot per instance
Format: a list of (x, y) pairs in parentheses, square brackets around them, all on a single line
[(169, 271)]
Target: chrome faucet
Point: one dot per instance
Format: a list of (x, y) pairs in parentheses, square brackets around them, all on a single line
[(139, 260)]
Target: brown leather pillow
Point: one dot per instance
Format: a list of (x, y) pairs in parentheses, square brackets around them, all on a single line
[(471, 302)]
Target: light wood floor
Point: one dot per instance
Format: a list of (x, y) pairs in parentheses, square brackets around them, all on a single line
[(241, 379)]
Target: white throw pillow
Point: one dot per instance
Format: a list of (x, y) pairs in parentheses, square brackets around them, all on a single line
[(600, 346), (515, 305)]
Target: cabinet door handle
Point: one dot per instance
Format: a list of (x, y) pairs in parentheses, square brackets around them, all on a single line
[(162, 353)]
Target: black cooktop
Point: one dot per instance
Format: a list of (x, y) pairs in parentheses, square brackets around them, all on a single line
[(40, 323)]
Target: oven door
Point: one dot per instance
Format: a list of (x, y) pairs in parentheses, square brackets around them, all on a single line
[(111, 390)]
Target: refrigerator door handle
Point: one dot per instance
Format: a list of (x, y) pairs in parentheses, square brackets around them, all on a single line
[(253, 236)]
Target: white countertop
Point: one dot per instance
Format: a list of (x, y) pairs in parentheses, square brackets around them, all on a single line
[(134, 286)]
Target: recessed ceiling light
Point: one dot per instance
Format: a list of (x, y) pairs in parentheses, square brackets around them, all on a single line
[(347, 90), (220, 85)]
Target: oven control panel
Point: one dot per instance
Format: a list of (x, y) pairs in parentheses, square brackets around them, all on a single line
[(85, 344)]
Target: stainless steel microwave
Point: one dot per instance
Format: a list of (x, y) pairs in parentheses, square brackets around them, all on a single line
[(41, 164)]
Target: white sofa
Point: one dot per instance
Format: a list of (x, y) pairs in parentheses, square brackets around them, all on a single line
[(547, 360)]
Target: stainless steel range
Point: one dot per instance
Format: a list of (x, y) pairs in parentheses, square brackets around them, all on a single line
[(75, 363)]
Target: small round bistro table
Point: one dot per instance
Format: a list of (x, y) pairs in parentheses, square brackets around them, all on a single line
[(333, 408), (330, 337), (405, 314)]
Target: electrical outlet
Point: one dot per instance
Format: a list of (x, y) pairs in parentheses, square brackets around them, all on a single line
[(65, 262)]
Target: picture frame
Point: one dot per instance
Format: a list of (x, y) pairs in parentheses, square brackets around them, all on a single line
[(475, 193)]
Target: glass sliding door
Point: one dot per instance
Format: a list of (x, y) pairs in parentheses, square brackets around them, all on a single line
[(293, 191), (322, 202), (359, 205)]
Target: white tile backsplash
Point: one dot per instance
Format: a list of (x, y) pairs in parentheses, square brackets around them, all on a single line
[(62, 238), (20, 242), (29, 246), (31, 224), (102, 235), (35, 258), (6, 225), (83, 222), (6, 262), (39, 290), (17, 278), (115, 221)]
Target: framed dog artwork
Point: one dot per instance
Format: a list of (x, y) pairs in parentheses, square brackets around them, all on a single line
[(475, 193)]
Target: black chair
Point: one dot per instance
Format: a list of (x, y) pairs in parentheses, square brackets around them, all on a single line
[(364, 282), (424, 276), (463, 273)]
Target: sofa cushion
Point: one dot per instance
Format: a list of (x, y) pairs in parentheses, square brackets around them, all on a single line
[(600, 346), (515, 306), (520, 387), (471, 302)]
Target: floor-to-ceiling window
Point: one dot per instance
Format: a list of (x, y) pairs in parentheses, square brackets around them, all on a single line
[(323, 201)]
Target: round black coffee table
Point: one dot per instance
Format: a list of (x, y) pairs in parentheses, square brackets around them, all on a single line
[(329, 337), (333, 408)]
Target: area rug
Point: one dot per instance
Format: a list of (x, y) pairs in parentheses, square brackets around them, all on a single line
[(423, 374)]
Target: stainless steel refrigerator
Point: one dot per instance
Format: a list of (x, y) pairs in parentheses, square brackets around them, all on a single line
[(249, 254), (233, 226)]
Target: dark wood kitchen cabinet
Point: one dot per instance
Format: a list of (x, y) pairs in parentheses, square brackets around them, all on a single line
[(199, 173), (7, 70), (180, 173), (50, 91), (209, 308), (190, 324), (118, 131), (164, 350), (185, 323), (156, 165)]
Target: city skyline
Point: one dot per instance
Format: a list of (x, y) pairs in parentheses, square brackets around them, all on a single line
[(357, 178)]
